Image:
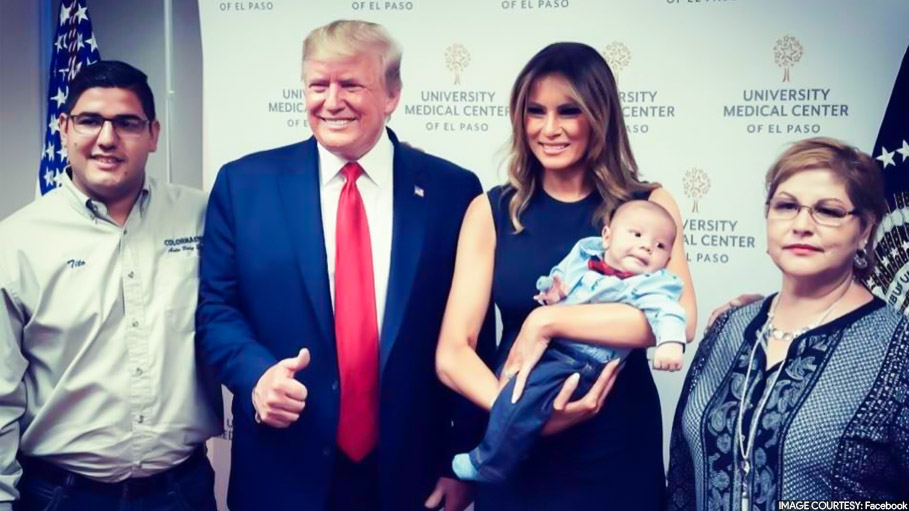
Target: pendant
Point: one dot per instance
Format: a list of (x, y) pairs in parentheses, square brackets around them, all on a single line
[(746, 468)]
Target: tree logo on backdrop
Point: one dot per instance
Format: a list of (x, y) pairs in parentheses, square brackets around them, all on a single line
[(697, 184), (457, 58), (709, 239), (787, 52), (617, 56)]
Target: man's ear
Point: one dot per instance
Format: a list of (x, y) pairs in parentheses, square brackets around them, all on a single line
[(62, 123), (391, 102)]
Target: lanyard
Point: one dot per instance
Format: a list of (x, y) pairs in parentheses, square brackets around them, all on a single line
[(746, 445)]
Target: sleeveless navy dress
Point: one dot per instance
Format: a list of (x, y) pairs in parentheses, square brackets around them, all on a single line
[(611, 462)]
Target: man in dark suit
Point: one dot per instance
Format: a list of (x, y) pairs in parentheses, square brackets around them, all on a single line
[(325, 271)]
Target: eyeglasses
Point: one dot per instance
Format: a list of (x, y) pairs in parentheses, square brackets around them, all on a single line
[(124, 125), (823, 213)]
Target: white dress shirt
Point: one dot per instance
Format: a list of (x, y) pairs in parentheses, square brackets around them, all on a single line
[(376, 188), (97, 335)]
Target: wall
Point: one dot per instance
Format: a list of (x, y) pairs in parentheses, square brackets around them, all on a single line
[(22, 96)]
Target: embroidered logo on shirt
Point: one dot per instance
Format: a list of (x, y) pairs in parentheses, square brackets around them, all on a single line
[(186, 244), (75, 263)]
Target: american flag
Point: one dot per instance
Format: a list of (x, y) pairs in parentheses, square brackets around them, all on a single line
[(890, 279), (74, 47)]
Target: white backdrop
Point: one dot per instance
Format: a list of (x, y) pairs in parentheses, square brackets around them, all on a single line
[(713, 90)]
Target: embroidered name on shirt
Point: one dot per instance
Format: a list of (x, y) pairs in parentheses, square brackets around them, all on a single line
[(75, 263), (183, 244)]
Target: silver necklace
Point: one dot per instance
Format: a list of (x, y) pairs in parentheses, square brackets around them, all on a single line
[(746, 445)]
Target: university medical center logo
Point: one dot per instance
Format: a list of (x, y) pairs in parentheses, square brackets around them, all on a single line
[(697, 184), (711, 240), (458, 105), (457, 58), (787, 52), (617, 56)]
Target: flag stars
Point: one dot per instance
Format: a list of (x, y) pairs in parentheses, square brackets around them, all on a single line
[(904, 151), (60, 98), (81, 14), (74, 46), (65, 13), (886, 157), (49, 178)]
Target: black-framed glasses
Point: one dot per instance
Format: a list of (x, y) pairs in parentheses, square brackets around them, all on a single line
[(823, 212), (124, 125)]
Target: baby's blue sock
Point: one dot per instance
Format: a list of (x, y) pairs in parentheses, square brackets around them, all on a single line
[(463, 467)]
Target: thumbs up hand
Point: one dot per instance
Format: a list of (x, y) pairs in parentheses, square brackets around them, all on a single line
[(278, 397), (297, 363)]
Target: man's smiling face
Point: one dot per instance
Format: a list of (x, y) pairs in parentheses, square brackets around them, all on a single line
[(347, 102)]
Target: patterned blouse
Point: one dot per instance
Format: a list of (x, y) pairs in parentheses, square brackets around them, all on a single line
[(834, 423)]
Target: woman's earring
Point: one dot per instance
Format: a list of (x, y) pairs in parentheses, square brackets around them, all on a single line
[(860, 260)]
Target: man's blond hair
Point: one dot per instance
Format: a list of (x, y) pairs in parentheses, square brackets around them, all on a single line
[(349, 38)]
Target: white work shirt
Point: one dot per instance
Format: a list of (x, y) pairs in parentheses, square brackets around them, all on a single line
[(376, 187), (97, 335)]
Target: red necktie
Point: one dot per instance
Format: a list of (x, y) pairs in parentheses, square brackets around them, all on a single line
[(356, 330), (600, 266)]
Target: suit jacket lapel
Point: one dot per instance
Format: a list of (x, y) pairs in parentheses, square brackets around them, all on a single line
[(299, 189), (408, 233)]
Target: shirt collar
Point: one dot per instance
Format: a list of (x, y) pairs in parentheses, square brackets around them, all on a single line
[(92, 208), (377, 163)]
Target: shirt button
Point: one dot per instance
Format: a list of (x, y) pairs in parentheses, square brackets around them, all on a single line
[(334, 385), (138, 371), (135, 324), (131, 274), (326, 451), (140, 419)]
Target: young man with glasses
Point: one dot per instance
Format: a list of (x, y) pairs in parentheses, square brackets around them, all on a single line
[(101, 404)]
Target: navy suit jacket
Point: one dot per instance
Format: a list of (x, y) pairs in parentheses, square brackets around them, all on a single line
[(264, 295)]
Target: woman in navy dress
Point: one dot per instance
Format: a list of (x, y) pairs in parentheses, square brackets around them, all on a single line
[(571, 165)]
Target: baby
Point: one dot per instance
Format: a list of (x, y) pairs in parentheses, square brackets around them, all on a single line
[(626, 265)]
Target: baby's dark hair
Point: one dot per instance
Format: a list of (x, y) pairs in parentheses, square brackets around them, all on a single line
[(629, 206)]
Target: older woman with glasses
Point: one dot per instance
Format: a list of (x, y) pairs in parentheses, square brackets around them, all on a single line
[(804, 395)]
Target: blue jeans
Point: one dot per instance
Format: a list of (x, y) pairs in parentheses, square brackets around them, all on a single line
[(187, 487), (515, 427)]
